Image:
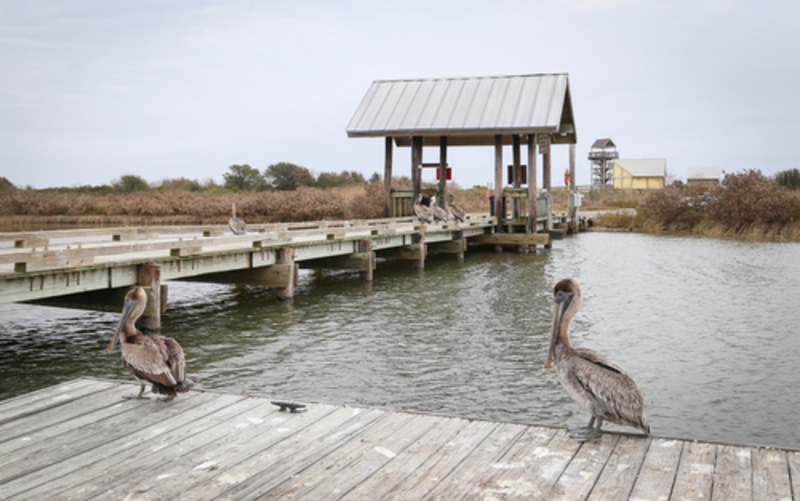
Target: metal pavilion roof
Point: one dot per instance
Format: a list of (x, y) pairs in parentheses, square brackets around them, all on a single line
[(468, 110)]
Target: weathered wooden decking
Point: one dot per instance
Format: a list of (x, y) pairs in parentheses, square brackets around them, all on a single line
[(81, 440)]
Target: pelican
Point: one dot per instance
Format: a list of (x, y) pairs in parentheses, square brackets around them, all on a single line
[(457, 212), (593, 381), (438, 213), (236, 224), (153, 359), (422, 212)]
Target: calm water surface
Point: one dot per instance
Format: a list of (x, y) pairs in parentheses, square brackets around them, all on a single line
[(708, 328)]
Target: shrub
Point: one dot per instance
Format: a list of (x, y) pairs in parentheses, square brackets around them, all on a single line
[(789, 178), (750, 197)]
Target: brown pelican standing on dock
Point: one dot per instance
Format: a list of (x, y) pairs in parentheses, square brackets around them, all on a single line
[(438, 213), (457, 212), (151, 358), (422, 212), (236, 224), (593, 381)]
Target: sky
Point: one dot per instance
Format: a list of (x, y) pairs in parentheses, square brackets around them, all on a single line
[(93, 90)]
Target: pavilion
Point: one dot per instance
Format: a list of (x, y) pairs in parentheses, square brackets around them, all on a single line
[(535, 109)]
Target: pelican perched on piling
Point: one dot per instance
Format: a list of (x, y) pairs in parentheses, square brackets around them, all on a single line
[(457, 212), (236, 224), (423, 213), (593, 381), (438, 213), (151, 358)]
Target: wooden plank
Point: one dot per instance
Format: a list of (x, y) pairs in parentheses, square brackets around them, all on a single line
[(359, 261), (579, 478), (794, 471), (181, 463), (530, 468), (198, 464), (659, 470), (620, 472), (370, 455), (695, 472), (328, 472), (42, 436), (413, 252), (733, 474), (277, 463), (52, 264), (66, 393), (9, 404), (462, 482), (511, 239), (88, 451), (771, 475), (419, 482)]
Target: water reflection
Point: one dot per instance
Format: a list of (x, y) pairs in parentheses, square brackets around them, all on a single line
[(706, 327)]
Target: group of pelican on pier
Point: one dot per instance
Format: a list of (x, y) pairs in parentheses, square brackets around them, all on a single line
[(592, 380), (428, 211)]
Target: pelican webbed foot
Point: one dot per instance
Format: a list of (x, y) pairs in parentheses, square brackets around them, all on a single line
[(139, 396), (585, 433)]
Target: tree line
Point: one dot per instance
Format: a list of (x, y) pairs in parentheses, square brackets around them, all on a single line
[(281, 176)]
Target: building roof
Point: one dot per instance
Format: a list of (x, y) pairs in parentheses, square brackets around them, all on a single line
[(644, 167), (468, 110), (703, 173), (604, 143)]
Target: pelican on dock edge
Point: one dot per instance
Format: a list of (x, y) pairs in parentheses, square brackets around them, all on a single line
[(438, 213), (457, 212), (593, 381), (151, 358), (422, 212), (236, 224)]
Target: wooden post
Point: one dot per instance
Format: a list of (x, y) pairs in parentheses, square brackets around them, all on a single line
[(365, 246), (572, 189), (443, 172), (517, 171), (499, 207), (286, 256), (533, 191), (416, 165), (387, 179), (546, 166), (419, 238), (150, 276), (459, 237)]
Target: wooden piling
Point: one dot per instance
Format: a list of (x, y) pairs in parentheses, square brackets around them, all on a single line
[(285, 256), (365, 246), (419, 239), (150, 276)]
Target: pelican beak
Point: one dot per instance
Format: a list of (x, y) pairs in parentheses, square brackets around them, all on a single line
[(126, 312), (560, 305)]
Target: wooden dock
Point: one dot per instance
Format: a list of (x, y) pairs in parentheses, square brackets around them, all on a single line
[(82, 440), (54, 264)]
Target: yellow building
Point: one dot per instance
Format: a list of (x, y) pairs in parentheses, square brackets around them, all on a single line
[(640, 174)]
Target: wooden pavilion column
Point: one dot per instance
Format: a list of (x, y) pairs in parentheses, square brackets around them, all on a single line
[(443, 172), (517, 173), (150, 276), (546, 163), (365, 247), (533, 191), (416, 165), (499, 208), (387, 179)]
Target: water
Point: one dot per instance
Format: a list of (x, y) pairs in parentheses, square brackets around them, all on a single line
[(707, 328)]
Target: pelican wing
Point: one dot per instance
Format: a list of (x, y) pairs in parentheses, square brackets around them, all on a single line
[(175, 358), (146, 360), (608, 392)]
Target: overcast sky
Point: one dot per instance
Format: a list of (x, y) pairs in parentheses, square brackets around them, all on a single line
[(92, 90)]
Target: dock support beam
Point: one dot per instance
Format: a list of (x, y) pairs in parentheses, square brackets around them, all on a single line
[(365, 247), (286, 256), (416, 166), (499, 206), (442, 200), (150, 276), (419, 239)]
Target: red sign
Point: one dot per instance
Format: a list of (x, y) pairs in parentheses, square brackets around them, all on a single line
[(449, 174)]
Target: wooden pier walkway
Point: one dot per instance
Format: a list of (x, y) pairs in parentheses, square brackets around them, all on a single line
[(53, 264), (82, 440)]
